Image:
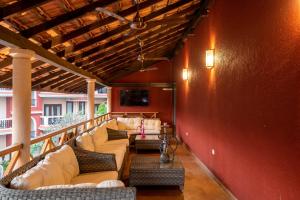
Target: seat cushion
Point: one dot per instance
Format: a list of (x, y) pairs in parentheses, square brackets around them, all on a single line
[(116, 142), (96, 177), (66, 159), (82, 185), (85, 141), (130, 123), (110, 184), (99, 135), (118, 149)]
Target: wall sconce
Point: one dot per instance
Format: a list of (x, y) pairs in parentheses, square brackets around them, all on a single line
[(185, 74), (210, 58)]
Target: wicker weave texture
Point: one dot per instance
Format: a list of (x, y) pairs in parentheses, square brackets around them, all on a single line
[(145, 170)]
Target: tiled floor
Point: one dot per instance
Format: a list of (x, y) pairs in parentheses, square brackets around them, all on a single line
[(198, 184)]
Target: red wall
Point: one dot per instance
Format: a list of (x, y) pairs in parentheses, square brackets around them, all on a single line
[(248, 107), (160, 101)]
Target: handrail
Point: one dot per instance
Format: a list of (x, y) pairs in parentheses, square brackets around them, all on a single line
[(64, 134), (10, 149)]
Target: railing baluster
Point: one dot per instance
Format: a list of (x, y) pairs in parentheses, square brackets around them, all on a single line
[(12, 162)]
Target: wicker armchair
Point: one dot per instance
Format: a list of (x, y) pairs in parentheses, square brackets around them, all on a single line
[(96, 162)]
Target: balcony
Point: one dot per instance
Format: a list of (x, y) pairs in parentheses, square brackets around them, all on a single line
[(5, 123)]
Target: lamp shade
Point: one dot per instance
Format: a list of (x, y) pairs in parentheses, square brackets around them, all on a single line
[(185, 74), (210, 58)]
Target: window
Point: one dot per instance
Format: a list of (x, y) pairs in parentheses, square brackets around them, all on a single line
[(69, 107), (96, 107), (33, 98), (102, 90), (82, 107), (52, 110)]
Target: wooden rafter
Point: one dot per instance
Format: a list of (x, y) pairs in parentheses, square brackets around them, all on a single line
[(20, 6), (11, 39)]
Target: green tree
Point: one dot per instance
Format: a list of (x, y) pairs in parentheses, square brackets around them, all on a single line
[(102, 109)]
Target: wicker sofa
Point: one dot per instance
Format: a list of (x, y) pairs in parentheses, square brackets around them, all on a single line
[(88, 162)]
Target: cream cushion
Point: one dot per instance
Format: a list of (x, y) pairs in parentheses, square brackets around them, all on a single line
[(95, 177), (110, 184), (85, 142), (120, 141), (31, 179), (99, 136), (66, 159), (152, 124), (112, 124), (118, 149), (82, 185), (53, 175), (130, 123)]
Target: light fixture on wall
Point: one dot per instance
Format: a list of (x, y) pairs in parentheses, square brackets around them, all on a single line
[(185, 74), (210, 58)]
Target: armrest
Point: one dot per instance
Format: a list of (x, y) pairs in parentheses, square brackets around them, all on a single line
[(116, 134), (126, 193), (94, 162)]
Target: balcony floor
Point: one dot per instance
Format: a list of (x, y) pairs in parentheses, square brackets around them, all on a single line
[(199, 185)]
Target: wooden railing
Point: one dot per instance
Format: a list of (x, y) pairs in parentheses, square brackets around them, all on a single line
[(49, 141), (57, 138), (135, 114)]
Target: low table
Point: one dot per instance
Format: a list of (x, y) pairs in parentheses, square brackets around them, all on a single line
[(148, 142), (147, 170)]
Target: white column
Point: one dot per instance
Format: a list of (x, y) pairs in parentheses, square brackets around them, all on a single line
[(108, 101), (21, 101), (91, 98)]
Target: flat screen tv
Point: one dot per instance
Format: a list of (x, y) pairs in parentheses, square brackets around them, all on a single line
[(134, 98)]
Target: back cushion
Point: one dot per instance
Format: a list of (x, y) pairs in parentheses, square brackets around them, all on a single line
[(54, 174), (66, 159), (31, 179), (152, 124), (99, 135), (85, 141), (130, 123), (112, 124)]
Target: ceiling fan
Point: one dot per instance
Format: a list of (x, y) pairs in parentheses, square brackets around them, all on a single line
[(138, 22), (141, 57)]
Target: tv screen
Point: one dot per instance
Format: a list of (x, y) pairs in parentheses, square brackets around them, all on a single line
[(134, 98)]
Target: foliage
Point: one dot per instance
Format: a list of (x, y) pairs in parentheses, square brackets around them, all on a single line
[(102, 109)]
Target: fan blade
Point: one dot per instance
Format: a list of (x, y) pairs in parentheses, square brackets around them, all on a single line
[(130, 33), (166, 22), (109, 13), (158, 58), (148, 69)]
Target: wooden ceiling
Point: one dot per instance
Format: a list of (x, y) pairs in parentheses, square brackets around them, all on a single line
[(79, 42)]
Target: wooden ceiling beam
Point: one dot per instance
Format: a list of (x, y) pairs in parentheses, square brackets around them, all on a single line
[(78, 83), (150, 46), (61, 83), (5, 79), (150, 37), (133, 52), (145, 84), (20, 6), (36, 84), (123, 28), (202, 10), (97, 24), (11, 39), (56, 80), (114, 42), (133, 58), (65, 17)]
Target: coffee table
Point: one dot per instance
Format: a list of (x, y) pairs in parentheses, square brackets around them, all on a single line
[(148, 142), (147, 170)]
